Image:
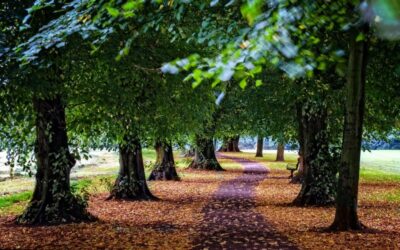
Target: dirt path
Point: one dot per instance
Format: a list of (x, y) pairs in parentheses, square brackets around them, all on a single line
[(230, 219)]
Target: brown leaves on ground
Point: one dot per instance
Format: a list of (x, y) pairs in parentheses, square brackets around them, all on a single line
[(305, 226), (174, 221), (166, 224)]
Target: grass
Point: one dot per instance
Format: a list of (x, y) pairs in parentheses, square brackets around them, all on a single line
[(15, 203), (393, 196), (376, 166), (374, 175), (380, 166), (9, 200), (268, 158)]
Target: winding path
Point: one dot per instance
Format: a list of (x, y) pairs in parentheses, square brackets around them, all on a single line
[(230, 218)]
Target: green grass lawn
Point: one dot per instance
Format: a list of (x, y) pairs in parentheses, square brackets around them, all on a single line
[(380, 165)]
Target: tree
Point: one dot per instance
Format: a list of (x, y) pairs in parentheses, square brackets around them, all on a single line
[(280, 152), (347, 199), (164, 168), (260, 145), (52, 201), (230, 144), (205, 158)]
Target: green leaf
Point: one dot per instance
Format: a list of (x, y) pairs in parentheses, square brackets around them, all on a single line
[(243, 83), (360, 37), (130, 6), (113, 11), (322, 66)]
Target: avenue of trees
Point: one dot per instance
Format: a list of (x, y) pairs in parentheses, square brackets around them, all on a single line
[(121, 75)]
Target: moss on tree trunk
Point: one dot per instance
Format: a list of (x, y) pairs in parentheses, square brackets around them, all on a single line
[(164, 168), (131, 181), (52, 201)]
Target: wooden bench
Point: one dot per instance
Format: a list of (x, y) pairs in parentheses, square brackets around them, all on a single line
[(292, 167)]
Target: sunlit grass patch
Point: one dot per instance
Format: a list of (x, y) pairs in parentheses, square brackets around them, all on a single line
[(14, 203), (372, 175), (393, 196), (268, 158)]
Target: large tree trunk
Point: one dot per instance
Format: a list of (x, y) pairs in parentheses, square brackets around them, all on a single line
[(164, 169), (280, 153), (230, 144), (319, 174), (260, 145), (131, 181), (205, 157), (347, 197), (52, 201)]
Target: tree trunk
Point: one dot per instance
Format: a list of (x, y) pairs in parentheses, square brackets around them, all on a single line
[(131, 181), (260, 145), (347, 197), (280, 154), (230, 145), (205, 157), (298, 177), (235, 142), (52, 201), (164, 168), (224, 146), (319, 174), (190, 152)]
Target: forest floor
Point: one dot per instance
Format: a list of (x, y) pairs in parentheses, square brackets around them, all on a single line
[(245, 207)]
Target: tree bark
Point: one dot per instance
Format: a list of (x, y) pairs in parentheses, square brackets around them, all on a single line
[(280, 153), (230, 145), (164, 168), (52, 201), (224, 146), (131, 181), (260, 145), (346, 217), (298, 177), (205, 157), (189, 153), (318, 186), (235, 142)]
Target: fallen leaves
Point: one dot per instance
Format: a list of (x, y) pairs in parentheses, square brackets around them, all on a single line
[(174, 221), (305, 226), (166, 224)]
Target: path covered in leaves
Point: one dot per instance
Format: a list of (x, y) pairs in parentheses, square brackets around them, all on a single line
[(231, 221)]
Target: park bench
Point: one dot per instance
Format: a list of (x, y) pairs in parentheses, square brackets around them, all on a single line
[(292, 167)]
